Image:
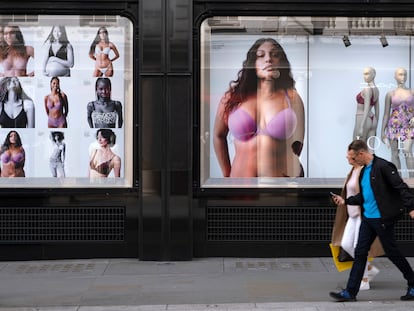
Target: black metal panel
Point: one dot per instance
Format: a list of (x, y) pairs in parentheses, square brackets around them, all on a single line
[(152, 24), (166, 232), (279, 224), (127, 8), (179, 34), (153, 210), (180, 148), (207, 8), (179, 121), (62, 224)]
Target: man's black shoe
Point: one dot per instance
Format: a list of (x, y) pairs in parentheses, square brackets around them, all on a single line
[(342, 296), (409, 295)]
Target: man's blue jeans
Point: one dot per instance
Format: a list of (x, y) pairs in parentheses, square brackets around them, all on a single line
[(369, 230)]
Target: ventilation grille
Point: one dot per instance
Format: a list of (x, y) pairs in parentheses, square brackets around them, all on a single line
[(284, 224), (60, 224)]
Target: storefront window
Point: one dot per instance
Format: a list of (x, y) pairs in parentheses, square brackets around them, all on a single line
[(66, 101), (282, 97)]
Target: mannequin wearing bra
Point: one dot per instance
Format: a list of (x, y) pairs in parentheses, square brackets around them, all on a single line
[(104, 112), (103, 160), (56, 105), (16, 57), (267, 126), (366, 120), (101, 51), (398, 122), (16, 109), (59, 57), (12, 156)]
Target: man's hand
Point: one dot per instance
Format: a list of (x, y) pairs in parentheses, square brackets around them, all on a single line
[(412, 214)]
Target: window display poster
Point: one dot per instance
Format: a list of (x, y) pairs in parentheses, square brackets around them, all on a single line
[(65, 103), (328, 76)]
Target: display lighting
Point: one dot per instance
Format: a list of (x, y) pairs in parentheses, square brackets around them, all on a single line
[(346, 41), (384, 41)]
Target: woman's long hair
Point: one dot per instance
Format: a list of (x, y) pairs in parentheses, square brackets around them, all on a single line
[(98, 38), (246, 83), (19, 46), (63, 38), (6, 144)]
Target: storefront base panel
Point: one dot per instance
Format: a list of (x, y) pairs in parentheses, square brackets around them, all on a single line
[(36, 228), (276, 231)]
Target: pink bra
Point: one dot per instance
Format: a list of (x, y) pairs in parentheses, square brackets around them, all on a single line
[(282, 125)]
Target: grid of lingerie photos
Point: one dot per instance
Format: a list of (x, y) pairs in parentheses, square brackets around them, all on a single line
[(62, 103)]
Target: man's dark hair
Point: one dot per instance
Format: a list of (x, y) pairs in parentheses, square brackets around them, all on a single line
[(358, 145)]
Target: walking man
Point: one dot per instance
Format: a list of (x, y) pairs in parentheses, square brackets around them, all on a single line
[(383, 198)]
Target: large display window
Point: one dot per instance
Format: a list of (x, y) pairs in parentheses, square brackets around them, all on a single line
[(282, 97), (66, 101)]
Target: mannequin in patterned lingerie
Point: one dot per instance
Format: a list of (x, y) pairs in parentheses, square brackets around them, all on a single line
[(397, 129)]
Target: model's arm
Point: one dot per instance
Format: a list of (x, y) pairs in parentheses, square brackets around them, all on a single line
[(386, 116), (90, 109), (117, 166), (118, 108), (70, 57), (299, 134), (92, 53), (30, 112), (65, 104), (46, 107), (220, 132), (45, 61), (63, 152), (115, 50), (30, 53)]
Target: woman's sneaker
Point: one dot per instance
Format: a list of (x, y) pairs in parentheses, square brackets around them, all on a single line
[(372, 272), (364, 285)]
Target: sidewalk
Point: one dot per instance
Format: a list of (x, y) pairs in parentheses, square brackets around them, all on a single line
[(206, 284)]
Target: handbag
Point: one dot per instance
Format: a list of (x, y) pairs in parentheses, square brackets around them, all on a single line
[(344, 256)]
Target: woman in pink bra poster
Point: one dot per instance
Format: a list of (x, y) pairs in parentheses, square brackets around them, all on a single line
[(367, 113), (264, 114), (13, 156)]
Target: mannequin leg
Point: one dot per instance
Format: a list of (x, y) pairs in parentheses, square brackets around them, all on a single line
[(395, 153), (409, 159)]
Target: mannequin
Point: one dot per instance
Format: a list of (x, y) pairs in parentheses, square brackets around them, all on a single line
[(398, 122), (366, 121)]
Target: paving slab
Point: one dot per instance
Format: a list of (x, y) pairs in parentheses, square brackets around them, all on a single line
[(219, 284)]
